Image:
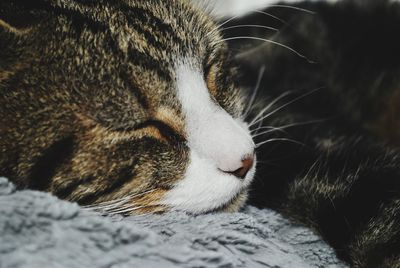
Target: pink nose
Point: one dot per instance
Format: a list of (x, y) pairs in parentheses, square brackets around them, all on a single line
[(242, 171)]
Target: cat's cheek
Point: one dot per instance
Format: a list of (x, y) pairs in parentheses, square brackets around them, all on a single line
[(204, 188), (243, 124)]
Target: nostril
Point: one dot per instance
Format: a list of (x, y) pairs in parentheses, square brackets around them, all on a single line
[(241, 172)]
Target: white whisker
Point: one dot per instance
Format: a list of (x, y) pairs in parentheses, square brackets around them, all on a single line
[(218, 27), (269, 131), (261, 128), (292, 125), (278, 139), (251, 26), (294, 8), (269, 106), (106, 203), (267, 41), (255, 91), (264, 127), (116, 202), (270, 15), (285, 105), (131, 209), (258, 11), (304, 123)]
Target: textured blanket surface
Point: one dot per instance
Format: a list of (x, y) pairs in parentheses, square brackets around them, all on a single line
[(38, 230)]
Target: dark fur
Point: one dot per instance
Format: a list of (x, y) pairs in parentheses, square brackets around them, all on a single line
[(345, 181)]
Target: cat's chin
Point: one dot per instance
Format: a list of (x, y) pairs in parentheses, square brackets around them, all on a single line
[(205, 189), (235, 204)]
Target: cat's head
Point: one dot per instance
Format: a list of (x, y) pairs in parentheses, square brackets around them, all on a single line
[(127, 104)]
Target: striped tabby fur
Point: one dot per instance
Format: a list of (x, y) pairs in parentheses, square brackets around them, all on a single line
[(88, 106)]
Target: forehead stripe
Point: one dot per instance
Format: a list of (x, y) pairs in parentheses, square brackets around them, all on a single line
[(150, 20), (97, 19), (147, 62), (91, 22)]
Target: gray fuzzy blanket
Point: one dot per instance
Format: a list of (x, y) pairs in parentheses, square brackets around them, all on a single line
[(38, 230)]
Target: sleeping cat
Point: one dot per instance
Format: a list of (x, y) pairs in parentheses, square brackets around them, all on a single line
[(134, 107)]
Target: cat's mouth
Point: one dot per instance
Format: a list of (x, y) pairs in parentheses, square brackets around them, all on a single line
[(205, 189)]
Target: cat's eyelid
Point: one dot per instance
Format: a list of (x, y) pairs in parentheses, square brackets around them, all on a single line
[(166, 132), (171, 119), (169, 125)]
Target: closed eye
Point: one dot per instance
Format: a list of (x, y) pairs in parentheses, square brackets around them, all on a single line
[(165, 131)]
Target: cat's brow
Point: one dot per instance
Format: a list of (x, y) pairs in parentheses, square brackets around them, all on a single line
[(171, 118)]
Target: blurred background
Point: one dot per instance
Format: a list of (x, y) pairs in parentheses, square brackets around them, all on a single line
[(345, 54)]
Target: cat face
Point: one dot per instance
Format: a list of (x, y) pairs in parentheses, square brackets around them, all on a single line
[(130, 105)]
